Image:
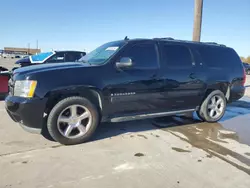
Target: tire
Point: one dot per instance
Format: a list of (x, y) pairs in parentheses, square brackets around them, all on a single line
[(205, 110), (54, 127)]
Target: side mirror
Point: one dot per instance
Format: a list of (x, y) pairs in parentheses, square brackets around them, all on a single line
[(125, 62)]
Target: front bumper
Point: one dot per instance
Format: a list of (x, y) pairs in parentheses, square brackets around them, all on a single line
[(28, 112)]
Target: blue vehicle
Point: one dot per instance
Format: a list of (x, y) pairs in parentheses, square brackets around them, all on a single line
[(247, 68), (51, 57)]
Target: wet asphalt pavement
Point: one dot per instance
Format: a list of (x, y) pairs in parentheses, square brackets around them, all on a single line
[(157, 152), (164, 152)]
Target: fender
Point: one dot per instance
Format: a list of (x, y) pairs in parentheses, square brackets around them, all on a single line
[(92, 93), (224, 87)]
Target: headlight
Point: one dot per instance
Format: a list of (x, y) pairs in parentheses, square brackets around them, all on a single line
[(25, 88)]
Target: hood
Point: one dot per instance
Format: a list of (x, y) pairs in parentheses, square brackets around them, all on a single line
[(49, 67)]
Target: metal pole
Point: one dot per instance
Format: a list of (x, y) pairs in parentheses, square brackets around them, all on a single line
[(197, 20), (28, 48)]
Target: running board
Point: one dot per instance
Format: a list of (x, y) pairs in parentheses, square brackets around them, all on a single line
[(152, 115)]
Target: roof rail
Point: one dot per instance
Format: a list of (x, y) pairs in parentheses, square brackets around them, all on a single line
[(214, 43), (166, 38), (210, 42), (188, 41)]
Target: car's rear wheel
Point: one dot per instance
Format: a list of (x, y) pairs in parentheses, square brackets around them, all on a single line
[(213, 107), (73, 121)]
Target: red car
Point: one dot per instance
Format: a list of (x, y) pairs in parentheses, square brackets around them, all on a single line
[(4, 78)]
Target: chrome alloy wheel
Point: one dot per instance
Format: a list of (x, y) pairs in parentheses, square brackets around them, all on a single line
[(74, 121), (216, 106)]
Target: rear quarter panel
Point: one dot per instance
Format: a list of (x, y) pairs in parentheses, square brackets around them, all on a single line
[(226, 74)]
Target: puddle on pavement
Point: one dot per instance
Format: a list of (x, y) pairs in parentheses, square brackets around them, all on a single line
[(209, 156), (143, 136), (56, 146), (180, 150), (211, 137), (139, 155)]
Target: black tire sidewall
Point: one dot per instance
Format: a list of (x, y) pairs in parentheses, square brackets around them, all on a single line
[(59, 107), (203, 112)]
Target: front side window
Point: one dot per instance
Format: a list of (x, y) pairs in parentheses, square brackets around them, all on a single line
[(143, 56), (176, 56), (101, 54)]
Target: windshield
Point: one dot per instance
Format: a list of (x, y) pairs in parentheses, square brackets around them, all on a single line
[(39, 58), (102, 53)]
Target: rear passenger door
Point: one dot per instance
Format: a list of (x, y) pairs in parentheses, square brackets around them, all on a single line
[(183, 88)]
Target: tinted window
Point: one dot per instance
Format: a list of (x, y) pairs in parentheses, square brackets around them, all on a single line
[(176, 56), (218, 57), (73, 56), (57, 58), (143, 56), (79, 55)]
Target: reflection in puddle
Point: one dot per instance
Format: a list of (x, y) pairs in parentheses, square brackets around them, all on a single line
[(217, 139)]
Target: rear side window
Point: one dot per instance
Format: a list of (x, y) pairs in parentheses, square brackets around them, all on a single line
[(176, 56), (73, 56), (219, 57), (144, 56), (57, 58), (79, 55)]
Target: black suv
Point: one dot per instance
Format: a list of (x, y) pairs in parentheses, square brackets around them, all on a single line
[(126, 80)]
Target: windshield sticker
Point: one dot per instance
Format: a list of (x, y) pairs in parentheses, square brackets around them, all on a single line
[(112, 48)]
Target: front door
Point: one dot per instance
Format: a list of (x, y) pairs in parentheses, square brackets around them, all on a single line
[(135, 89)]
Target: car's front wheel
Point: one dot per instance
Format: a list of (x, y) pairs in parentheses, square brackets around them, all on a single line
[(213, 107), (73, 120)]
